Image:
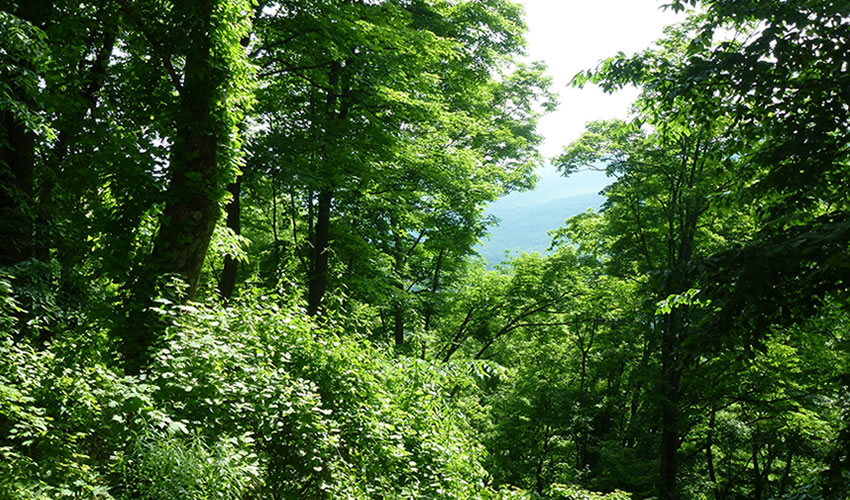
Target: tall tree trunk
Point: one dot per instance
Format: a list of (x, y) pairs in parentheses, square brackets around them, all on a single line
[(191, 199), (191, 209), (318, 281), (227, 283), (670, 380), (17, 164)]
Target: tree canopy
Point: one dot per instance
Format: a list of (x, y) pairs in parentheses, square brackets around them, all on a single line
[(238, 256)]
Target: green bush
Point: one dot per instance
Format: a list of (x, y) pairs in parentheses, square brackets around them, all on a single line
[(331, 415), (250, 400), (163, 465)]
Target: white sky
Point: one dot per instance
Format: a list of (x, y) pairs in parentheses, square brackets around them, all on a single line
[(574, 35)]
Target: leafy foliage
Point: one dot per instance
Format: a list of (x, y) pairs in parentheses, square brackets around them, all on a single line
[(334, 336)]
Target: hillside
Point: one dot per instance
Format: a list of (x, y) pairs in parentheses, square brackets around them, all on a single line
[(526, 218)]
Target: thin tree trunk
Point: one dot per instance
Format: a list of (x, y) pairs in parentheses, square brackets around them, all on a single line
[(275, 238), (398, 326), (629, 442), (757, 483), (786, 473), (17, 164), (540, 482), (399, 259), (670, 379), (709, 454), (458, 337), (435, 284)]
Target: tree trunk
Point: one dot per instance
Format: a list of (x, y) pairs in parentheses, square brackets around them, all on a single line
[(17, 164), (435, 285), (539, 480), (670, 379), (192, 197), (191, 209), (318, 281), (709, 454), (786, 473), (757, 483), (398, 326)]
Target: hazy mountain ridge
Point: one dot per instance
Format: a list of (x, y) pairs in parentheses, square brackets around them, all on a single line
[(525, 218)]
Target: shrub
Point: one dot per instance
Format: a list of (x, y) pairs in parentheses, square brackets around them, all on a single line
[(168, 465)]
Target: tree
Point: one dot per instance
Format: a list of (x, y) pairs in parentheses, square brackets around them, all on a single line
[(772, 74), (56, 67), (660, 217), (202, 64), (19, 121), (410, 136)]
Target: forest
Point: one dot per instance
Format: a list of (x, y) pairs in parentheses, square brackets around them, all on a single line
[(237, 256)]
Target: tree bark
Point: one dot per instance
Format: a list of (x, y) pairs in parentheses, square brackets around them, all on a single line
[(670, 379), (191, 199), (318, 281), (191, 207)]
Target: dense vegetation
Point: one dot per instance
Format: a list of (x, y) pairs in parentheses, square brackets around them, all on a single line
[(237, 256)]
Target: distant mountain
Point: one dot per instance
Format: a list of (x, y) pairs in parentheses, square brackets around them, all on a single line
[(526, 218)]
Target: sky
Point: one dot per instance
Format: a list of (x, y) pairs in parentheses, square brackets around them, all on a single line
[(571, 36), (575, 35)]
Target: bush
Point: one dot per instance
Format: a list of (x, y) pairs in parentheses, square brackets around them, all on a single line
[(252, 400), (166, 465), (331, 415)]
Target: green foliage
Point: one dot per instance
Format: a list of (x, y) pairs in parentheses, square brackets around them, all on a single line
[(689, 340), (25, 55), (737, 256), (168, 465), (564, 492), (416, 116), (63, 413), (249, 398), (330, 415)]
